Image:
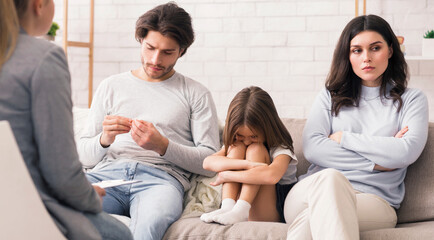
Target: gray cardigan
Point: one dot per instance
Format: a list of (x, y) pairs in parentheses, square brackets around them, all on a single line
[(35, 97)]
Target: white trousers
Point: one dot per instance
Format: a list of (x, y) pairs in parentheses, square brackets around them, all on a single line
[(325, 206)]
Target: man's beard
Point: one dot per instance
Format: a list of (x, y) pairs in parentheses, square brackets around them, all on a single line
[(164, 70)]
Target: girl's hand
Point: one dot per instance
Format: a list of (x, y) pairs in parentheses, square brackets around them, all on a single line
[(337, 136), (401, 133), (255, 164), (219, 180)]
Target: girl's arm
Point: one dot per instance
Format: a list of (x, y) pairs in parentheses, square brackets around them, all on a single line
[(261, 175), (218, 162)]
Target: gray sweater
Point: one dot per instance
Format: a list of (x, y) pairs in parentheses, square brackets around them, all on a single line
[(180, 108), (35, 97), (368, 139)]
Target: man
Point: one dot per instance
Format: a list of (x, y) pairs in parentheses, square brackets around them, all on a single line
[(151, 124)]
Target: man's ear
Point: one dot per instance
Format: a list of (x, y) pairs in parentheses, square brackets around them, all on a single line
[(181, 51)]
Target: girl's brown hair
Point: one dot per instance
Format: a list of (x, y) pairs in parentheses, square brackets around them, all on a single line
[(344, 85), (254, 108)]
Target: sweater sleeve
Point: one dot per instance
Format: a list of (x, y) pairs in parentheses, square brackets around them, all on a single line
[(322, 151), (52, 120), (205, 133), (391, 152), (89, 148)]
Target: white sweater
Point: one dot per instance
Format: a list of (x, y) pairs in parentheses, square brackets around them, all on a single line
[(368, 139), (180, 108)]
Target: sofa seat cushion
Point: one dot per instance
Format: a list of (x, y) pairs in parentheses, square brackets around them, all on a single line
[(194, 228), (418, 204), (420, 230)]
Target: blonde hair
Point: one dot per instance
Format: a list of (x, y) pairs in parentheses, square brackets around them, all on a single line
[(9, 28), (254, 108)]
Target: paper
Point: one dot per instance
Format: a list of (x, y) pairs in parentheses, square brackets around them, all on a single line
[(114, 183)]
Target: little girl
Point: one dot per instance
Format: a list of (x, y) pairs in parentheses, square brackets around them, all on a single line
[(257, 164)]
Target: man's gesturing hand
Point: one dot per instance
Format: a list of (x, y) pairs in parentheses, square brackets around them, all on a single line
[(112, 126), (148, 137)]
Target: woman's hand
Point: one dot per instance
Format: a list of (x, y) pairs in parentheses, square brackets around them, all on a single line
[(400, 134), (337, 136), (383, 169)]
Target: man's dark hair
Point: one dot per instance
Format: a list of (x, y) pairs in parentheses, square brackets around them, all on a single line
[(171, 21)]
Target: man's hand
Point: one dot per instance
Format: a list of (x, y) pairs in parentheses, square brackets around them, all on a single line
[(112, 126), (148, 137), (100, 191), (337, 136)]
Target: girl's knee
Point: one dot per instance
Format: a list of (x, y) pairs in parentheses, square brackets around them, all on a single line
[(237, 150), (257, 152)]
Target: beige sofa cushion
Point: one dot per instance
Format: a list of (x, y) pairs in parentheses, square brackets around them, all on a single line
[(408, 231), (194, 228), (295, 128), (418, 204)]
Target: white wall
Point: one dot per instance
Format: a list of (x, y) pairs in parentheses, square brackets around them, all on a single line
[(284, 46)]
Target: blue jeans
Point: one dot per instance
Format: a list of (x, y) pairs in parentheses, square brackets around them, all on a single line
[(109, 227), (153, 204)]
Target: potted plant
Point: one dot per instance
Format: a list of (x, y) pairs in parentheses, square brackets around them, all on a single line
[(401, 43), (428, 44), (52, 32)]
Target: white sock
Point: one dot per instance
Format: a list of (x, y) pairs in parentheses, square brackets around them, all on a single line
[(239, 213), (227, 205)]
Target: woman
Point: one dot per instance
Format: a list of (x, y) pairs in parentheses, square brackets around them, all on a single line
[(365, 128), (35, 97)]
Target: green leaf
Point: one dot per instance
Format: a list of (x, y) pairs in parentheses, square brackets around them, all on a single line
[(54, 27), (429, 34)]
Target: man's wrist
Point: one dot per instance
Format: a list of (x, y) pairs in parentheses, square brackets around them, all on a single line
[(103, 145), (163, 146)]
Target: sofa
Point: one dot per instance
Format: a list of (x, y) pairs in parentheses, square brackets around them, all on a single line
[(415, 217)]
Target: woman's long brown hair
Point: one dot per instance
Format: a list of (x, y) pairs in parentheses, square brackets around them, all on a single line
[(254, 108), (345, 86)]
